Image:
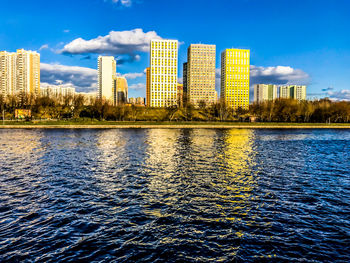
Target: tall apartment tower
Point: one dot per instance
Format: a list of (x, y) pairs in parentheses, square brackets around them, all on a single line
[(163, 73), (235, 77), (264, 92), (148, 87), (121, 91), (20, 72), (7, 73), (201, 73), (296, 92), (27, 72), (107, 70)]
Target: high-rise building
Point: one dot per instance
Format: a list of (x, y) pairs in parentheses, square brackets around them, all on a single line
[(27, 72), (201, 73), (184, 81), (7, 73), (148, 87), (163, 73), (20, 72), (180, 95), (107, 70), (121, 91), (235, 78), (297, 92), (264, 92)]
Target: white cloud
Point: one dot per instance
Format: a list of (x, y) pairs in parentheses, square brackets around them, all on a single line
[(138, 86), (116, 42), (132, 75), (339, 95), (66, 31), (123, 2), (46, 46), (81, 78), (277, 75)]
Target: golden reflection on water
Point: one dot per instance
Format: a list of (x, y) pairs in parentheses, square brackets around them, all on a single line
[(21, 143)]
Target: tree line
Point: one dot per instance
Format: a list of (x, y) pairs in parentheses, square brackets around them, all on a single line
[(80, 107)]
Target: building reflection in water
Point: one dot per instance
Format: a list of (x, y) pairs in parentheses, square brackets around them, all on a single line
[(202, 176)]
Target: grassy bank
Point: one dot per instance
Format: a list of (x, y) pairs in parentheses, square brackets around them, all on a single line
[(149, 124)]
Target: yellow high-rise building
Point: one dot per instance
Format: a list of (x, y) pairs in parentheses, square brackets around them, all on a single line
[(235, 64), (201, 73), (163, 73), (148, 87)]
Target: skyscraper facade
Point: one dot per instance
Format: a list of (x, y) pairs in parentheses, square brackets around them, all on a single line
[(163, 73), (148, 87), (27, 72), (235, 65), (201, 73), (20, 72), (121, 91), (107, 70), (7, 73), (297, 92), (264, 92)]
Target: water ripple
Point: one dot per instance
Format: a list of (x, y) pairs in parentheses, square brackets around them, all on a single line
[(174, 195)]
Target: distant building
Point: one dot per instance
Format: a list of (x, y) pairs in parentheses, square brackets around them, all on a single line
[(180, 95), (139, 101), (19, 72), (89, 97), (148, 87), (201, 73), (57, 91), (107, 68), (121, 94), (264, 92), (297, 92), (163, 71), (235, 68)]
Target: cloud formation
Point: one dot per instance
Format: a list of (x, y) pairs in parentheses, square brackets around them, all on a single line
[(138, 86), (133, 75), (46, 46), (126, 3), (277, 75), (115, 43), (81, 78), (339, 95)]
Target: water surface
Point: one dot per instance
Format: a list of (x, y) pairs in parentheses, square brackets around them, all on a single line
[(177, 195)]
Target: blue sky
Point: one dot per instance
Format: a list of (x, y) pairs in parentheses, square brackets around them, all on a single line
[(294, 41)]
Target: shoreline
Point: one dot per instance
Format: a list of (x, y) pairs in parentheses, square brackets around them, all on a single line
[(175, 126)]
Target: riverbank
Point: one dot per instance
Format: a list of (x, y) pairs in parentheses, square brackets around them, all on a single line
[(166, 125)]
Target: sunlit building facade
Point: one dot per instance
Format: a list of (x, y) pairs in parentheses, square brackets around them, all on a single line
[(148, 87), (235, 65), (180, 95), (163, 73), (107, 70), (20, 72), (121, 88), (264, 92), (7, 72), (297, 92), (201, 73)]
